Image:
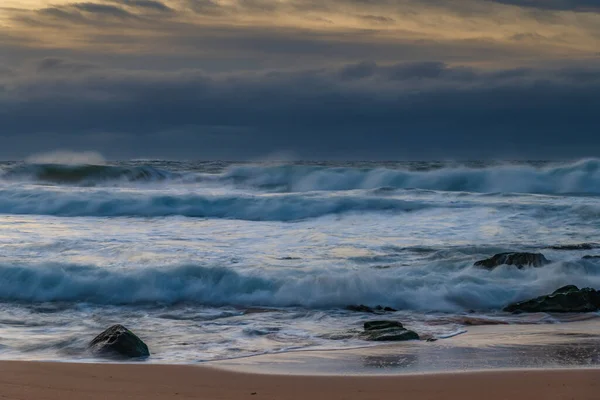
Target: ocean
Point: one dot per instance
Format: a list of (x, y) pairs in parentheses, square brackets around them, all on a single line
[(219, 260)]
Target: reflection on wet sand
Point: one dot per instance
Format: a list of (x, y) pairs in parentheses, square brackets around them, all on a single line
[(575, 344), (581, 354)]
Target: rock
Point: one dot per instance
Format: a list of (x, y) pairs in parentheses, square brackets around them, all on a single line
[(591, 257), (360, 308), (566, 299), (118, 341), (367, 309), (580, 246), (377, 325), (477, 321), (566, 289), (386, 309), (519, 260), (387, 331)]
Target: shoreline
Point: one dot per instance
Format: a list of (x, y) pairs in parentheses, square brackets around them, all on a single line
[(53, 381), (481, 348)]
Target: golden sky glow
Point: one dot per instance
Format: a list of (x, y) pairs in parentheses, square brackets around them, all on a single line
[(520, 35)]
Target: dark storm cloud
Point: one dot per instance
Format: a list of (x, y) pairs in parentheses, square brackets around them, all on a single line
[(558, 5), (77, 14), (102, 9), (145, 4), (208, 7), (6, 71), (378, 19), (360, 110), (59, 65)]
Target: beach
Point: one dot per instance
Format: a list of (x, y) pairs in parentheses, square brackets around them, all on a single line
[(492, 362), (53, 381)]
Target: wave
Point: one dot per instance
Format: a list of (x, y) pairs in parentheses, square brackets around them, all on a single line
[(579, 177), (104, 203), (427, 288), (86, 174)]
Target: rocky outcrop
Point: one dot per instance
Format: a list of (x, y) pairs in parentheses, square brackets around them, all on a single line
[(579, 246), (367, 309), (119, 342), (519, 260), (387, 331), (566, 299)]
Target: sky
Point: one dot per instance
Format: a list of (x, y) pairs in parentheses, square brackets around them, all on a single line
[(307, 79)]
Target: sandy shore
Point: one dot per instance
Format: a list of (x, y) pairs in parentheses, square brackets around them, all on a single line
[(53, 381)]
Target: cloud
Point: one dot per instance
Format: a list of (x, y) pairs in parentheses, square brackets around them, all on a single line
[(145, 4), (557, 5), (6, 71), (361, 110), (59, 65), (378, 19), (349, 77), (102, 9), (251, 34)]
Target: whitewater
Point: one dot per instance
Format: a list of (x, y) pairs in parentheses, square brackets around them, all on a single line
[(217, 260)]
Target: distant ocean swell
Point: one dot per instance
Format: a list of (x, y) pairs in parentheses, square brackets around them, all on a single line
[(407, 288), (578, 177)]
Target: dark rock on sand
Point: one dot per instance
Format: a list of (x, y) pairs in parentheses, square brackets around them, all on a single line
[(118, 341), (579, 246), (566, 299), (387, 331), (519, 260), (367, 309)]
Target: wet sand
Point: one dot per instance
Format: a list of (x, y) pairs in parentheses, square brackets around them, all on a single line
[(54, 381), (479, 364), (493, 347)]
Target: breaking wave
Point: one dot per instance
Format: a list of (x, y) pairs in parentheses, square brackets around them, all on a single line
[(281, 207), (578, 177), (411, 288), (85, 174)]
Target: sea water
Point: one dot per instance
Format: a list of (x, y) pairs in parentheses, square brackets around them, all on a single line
[(218, 260)]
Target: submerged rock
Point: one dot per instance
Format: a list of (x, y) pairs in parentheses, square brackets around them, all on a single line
[(387, 331), (519, 260), (566, 299), (118, 341), (367, 309)]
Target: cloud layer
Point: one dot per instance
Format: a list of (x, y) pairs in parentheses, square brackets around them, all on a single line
[(364, 109), (332, 78)]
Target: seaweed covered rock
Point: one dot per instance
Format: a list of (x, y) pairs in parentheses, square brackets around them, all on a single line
[(566, 299), (367, 309), (519, 260), (579, 246), (119, 342), (387, 331)]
